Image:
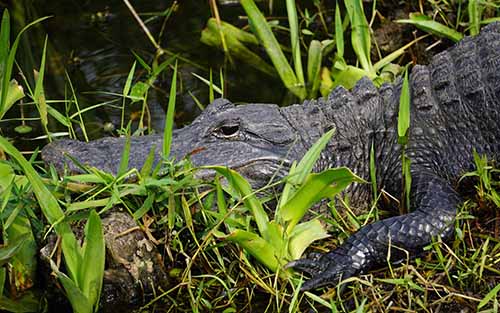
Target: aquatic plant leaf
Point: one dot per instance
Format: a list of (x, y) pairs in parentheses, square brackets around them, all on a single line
[(273, 49), (259, 248), (427, 24), (303, 235), (235, 44)]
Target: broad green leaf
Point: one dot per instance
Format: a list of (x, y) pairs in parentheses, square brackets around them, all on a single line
[(78, 300), (303, 235), (314, 67), (138, 91), (14, 94), (247, 195), (404, 110), (235, 39), (50, 208), (259, 248), (9, 250), (29, 302), (277, 239), (348, 77), (169, 120), (316, 187), (92, 268), (425, 23), (273, 49), (24, 262)]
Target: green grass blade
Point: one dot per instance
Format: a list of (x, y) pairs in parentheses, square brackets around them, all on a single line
[(474, 17), (489, 297), (248, 196), (9, 63), (259, 248), (169, 120), (272, 47), (339, 32), (4, 40), (373, 172), (125, 156), (211, 96), (293, 22), (360, 34), (51, 210), (92, 269), (394, 55), (307, 162), (314, 67), (126, 91), (39, 95), (209, 84), (404, 110), (425, 23)]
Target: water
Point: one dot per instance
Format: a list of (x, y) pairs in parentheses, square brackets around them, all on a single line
[(93, 42)]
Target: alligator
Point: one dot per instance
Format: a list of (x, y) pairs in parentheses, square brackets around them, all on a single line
[(455, 110)]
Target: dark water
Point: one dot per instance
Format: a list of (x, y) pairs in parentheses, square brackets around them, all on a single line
[(93, 42)]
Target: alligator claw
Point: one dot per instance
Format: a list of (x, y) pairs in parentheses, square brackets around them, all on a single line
[(329, 269)]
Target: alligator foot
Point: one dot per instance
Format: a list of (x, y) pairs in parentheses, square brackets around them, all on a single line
[(325, 269)]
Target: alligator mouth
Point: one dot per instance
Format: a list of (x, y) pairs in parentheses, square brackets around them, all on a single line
[(259, 169)]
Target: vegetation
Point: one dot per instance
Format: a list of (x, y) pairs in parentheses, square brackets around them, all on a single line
[(230, 258)]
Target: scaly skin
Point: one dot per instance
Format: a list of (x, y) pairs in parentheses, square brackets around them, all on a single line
[(455, 109)]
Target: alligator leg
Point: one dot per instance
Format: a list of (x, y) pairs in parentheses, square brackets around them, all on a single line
[(435, 204)]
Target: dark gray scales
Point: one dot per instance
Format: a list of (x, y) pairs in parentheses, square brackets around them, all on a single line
[(455, 108)]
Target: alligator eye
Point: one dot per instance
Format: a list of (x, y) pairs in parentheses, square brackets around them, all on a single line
[(227, 131)]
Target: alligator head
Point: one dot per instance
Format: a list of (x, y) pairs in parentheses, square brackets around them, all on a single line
[(257, 140)]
